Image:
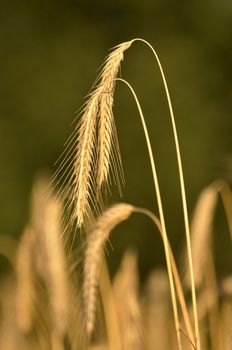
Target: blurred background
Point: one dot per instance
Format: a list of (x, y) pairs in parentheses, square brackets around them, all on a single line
[(50, 55)]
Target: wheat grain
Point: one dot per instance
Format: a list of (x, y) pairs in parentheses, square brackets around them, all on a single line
[(94, 254)]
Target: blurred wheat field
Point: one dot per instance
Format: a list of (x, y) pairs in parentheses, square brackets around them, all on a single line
[(58, 294)]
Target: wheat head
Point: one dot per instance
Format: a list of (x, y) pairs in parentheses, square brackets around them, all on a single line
[(25, 292), (201, 230), (51, 265), (94, 254), (56, 269), (156, 308), (126, 291), (93, 147)]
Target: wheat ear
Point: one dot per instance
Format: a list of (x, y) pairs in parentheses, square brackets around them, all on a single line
[(201, 228), (201, 225), (156, 296), (93, 147), (94, 255), (25, 296), (84, 160), (51, 261), (56, 277), (108, 149), (126, 290), (109, 312)]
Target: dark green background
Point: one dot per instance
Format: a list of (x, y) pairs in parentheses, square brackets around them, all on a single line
[(50, 52)]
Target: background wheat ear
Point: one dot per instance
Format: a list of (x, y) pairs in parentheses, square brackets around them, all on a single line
[(126, 291), (25, 291), (201, 232), (156, 311), (92, 152), (51, 261)]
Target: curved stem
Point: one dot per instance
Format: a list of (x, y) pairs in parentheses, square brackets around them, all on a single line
[(176, 276), (161, 214), (183, 194)]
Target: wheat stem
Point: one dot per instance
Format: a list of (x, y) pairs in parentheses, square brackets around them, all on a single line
[(183, 194), (176, 276), (161, 213)]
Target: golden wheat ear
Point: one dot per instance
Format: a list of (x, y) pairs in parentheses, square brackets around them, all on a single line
[(156, 311), (92, 152), (201, 232), (126, 291), (94, 254), (108, 148), (202, 224), (51, 261), (25, 292)]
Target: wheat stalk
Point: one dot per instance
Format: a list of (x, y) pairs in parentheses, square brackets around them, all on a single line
[(161, 213), (94, 255), (182, 189), (176, 278)]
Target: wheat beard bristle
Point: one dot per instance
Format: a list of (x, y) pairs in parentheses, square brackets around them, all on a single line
[(94, 255)]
